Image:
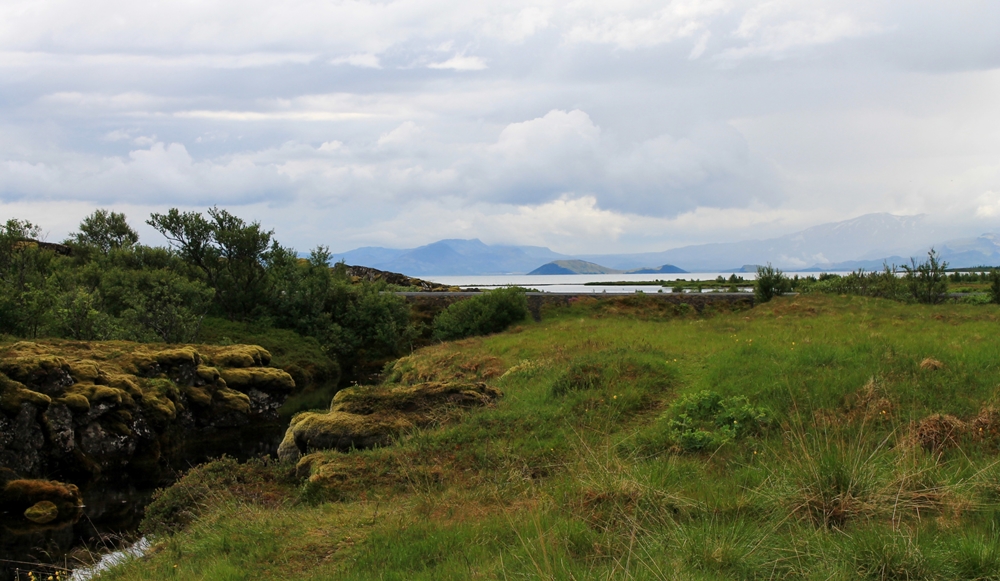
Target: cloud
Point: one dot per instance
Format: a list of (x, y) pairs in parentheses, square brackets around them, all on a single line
[(359, 60), (587, 123), (461, 63), (989, 205), (635, 25), (403, 134), (776, 28)]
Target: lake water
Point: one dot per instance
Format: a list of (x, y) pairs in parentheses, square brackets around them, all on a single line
[(577, 283)]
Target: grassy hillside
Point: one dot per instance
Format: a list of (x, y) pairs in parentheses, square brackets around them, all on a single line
[(813, 437)]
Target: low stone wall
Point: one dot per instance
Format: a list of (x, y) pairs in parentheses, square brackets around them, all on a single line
[(427, 305)]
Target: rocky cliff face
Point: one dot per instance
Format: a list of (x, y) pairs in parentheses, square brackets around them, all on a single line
[(80, 410)]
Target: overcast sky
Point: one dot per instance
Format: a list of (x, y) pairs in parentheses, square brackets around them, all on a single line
[(585, 126)]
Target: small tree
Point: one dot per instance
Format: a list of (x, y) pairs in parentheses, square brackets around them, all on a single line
[(105, 231), (233, 256), (927, 281), (995, 286), (770, 282)]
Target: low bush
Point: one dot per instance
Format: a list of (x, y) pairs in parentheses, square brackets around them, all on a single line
[(488, 313), (702, 421)]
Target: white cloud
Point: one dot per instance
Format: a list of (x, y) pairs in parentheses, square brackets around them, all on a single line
[(370, 61), (778, 27), (516, 27), (403, 134), (461, 62), (272, 115), (988, 205), (118, 135), (614, 125), (632, 25), (30, 59)]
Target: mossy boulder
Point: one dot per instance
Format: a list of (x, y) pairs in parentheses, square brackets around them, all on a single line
[(367, 417), (266, 379), (31, 505), (240, 356), (89, 407), (13, 395), (340, 431), (46, 374), (42, 512)]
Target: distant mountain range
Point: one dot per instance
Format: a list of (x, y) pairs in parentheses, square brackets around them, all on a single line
[(863, 242)]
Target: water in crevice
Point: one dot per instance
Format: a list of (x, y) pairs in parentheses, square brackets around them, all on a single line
[(114, 507)]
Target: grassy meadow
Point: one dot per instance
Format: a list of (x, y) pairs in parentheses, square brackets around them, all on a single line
[(812, 437)]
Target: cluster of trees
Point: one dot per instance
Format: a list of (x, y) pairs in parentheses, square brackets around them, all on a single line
[(923, 282), (102, 283)]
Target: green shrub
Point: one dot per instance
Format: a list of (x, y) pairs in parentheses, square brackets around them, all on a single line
[(490, 312), (770, 282), (703, 421), (927, 281)]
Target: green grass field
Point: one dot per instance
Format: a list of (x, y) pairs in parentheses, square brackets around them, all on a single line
[(813, 437)]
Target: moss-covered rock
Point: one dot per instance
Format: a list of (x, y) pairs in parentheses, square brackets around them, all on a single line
[(42, 512), (340, 431), (39, 504), (266, 379), (240, 356), (43, 373), (14, 394), (366, 417), (88, 407)]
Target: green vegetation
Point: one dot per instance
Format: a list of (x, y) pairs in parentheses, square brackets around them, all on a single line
[(812, 437), (770, 283), (221, 280), (491, 312)]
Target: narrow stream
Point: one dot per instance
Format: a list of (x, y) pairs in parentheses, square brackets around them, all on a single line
[(113, 510)]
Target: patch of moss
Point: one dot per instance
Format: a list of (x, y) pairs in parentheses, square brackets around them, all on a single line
[(29, 504), (32, 368), (20, 494), (240, 356), (76, 402), (159, 399), (101, 394), (208, 374), (123, 382), (198, 396), (266, 379), (286, 348), (342, 431), (14, 394), (42, 512), (176, 357), (232, 400), (84, 371)]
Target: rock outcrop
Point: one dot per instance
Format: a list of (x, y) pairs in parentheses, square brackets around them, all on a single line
[(37, 505), (366, 417), (80, 410)]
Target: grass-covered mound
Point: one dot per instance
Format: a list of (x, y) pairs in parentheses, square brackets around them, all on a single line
[(81, 409), (814, 437)]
